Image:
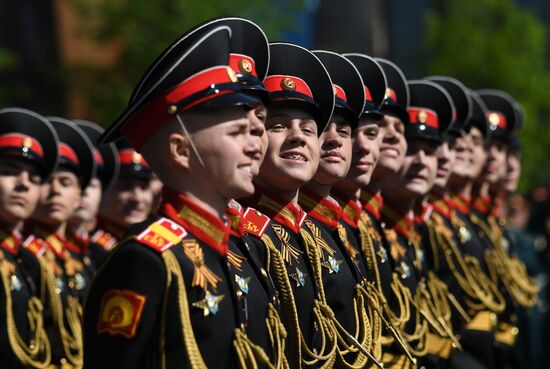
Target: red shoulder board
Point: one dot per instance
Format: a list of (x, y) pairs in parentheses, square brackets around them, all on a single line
[(35, 245), (162, 235), (104, 239), (254, 222)]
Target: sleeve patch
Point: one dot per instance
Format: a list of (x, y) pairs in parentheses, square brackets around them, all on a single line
[(120, 312), (162, 234), (254, 222)]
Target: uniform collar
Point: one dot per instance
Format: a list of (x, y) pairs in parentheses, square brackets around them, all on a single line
[(202, 224), (482, 204), (372, 202), (351, 208), (52, 240), (401, 223), (108, 227), (460, 203), (10, 241), (282, 211), (324, 209), (234, 214), (422, 212), (441, 204), (77, 242)]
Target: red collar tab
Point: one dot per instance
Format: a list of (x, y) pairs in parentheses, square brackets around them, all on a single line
[(286, 213), (401, 223), (325, 210), (77, 243), (423, 213), (460, 203), (110, 229), (496, 119), (98, 157), (351, 209), (243, 64), (482, 204), (10, 242), (441, 205), (53, 241), (103, 239), (368, 96), (131, 157), (390, 94), (202, 224), (423, 116), (277, 83), (339, 92), (180, 98), (68, 154), (254, 222), (21, 142), (372, 203)]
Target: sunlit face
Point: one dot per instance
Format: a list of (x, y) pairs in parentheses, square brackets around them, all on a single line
[(513, 172), (462, 152), (229, 151), (392, 146), (416, 176), (257, 118), (292, 155), (495, 166), (19, 190), (478, 153), (89, 203), (335, 151), (127, 202), (365, 153), (59, 198), (445, 162)]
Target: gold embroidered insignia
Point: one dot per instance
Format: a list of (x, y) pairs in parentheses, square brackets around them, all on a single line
[(202, 275)]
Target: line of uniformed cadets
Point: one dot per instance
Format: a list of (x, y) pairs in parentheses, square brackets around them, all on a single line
[(318, 210)]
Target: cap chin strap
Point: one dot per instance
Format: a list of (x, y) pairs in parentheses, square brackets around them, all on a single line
[(191, 143)]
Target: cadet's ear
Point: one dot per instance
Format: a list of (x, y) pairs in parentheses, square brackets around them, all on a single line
[(179, 149)]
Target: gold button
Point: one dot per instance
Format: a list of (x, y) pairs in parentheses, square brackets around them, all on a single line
[(172, 109)]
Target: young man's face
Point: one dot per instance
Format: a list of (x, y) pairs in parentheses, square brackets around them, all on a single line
[(129, 201), (292, 155), (257, 118), (335, 151), (495, 166), (513, 172), (445, 162), (416, 176), (89, 203), (478, 153), (365, 152), (59, 198), (392, 146), (462, 153), (19, 190)]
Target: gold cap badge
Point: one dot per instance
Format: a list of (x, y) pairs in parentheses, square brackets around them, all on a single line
[(422, 116), (288, 84), (136, 158), (494, 119), (27, 142), (245, 66)]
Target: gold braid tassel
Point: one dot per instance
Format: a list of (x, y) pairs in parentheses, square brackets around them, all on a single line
[(189, 341), (71, 338), (290, 312), (37, 353)]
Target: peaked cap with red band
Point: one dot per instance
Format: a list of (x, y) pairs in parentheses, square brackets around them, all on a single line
[(348, 87), (248, 47), (26, 134), (76, 151), (296, 75), (431, 111), (462, 101), (501, 113), (105, 156), (396, 99), (192, 74), (375, 84), (479, 117), (131, 163)]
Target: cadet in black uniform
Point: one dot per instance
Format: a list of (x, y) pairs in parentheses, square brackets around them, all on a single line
[(171, 294), (343, 270), (63, 272), (28, 154), (84, 222)]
